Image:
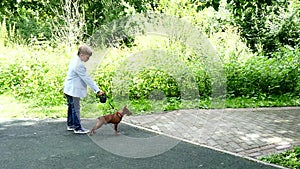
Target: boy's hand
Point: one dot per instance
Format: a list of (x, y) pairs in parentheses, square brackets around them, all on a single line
[(100, 93), (102, 96)]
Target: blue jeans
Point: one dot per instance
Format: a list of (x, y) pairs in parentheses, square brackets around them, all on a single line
[(73, 112)]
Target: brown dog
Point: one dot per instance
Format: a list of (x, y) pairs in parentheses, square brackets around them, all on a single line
[(110, 118)]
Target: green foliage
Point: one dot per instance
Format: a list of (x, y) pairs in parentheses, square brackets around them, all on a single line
[(163, 77), (101, 12), (28, 18), (267, 25), (201, 4), (3, 34), (27, 76), (262, 101), (41, 19), (35, 72), (260, 76), (290, 158), (149, 83)]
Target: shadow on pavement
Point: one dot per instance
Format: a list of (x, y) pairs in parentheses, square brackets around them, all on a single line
[(47, 144)]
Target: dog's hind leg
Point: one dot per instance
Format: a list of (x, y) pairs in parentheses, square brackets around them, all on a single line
[(100, 122), (116, 129)]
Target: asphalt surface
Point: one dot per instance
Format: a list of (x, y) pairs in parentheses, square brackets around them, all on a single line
[(46, 144)]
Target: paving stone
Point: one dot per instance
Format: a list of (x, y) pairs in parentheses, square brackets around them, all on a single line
[(233, 145), (255, 154), (267, 147), (250, 132), (283, 147), (269, 151), (240, 150), (211, 142), (250, 151)]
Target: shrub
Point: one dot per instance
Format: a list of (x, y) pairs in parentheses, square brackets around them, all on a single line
[(261, 76), (34, 75), (148, 82)]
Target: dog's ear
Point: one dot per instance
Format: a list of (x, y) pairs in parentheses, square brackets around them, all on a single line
[(124, 108)]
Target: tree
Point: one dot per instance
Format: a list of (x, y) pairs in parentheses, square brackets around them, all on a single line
[(266, 25), (29, 18)]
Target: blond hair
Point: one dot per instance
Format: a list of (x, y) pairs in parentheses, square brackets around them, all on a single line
[(85, 50)]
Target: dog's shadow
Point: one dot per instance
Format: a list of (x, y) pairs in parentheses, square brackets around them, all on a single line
[(131, 142)]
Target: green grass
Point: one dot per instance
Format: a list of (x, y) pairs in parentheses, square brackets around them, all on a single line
[(290, 158), (13, 108), (10, 107), (255, 102)]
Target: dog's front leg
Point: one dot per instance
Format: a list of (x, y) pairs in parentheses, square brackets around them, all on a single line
[(116, 129)]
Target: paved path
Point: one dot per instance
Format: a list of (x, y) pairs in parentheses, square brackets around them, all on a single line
[(29, 143), (46, 144), (247, 132)]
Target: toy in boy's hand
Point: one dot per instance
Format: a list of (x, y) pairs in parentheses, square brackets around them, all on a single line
[(102, 97)]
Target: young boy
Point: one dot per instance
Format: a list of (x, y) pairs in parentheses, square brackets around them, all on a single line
[(75, 88)]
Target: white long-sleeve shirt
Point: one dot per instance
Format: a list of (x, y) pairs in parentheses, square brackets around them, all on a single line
[(78, 79)]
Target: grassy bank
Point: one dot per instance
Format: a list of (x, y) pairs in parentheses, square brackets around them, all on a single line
[(289, 159)]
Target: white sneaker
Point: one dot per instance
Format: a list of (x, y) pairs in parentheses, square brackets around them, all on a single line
[(70, 128), (81, 131)]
